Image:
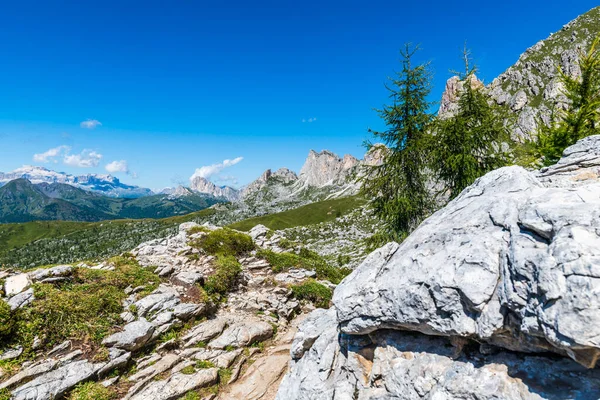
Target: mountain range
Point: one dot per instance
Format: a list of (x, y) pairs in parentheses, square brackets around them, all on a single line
[(106, 185), (22, 201)]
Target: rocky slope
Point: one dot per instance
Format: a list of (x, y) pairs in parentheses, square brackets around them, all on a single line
[(531, 87), (171, 334), (493, 297), (104, 184)]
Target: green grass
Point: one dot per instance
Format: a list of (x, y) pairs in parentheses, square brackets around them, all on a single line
[(191, 396), (91, 391), (224, 376), (311, 290), (322, 211), (189, 370), (306, 259), (203, 364), (6, 320), (5, 394), (86, 308), (227, 269)]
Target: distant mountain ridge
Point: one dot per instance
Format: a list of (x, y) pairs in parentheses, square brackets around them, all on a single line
[(107, 185), (22, 201)]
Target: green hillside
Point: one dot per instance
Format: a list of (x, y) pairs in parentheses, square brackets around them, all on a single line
[(30, 244), (322, 211)]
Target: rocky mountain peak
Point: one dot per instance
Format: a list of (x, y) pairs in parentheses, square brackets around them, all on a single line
[(326, 168), (286, 175), (202, 185), (454, 86), (180, 191)]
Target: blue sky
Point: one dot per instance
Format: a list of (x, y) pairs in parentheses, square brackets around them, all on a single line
[(174, 86)]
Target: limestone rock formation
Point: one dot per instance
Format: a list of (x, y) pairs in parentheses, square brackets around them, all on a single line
[(454, 86), (499, 280), (531, 86), (326, 168), (203, 185)]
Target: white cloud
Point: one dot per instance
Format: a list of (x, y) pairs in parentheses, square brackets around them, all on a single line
[(90, 124), (309, 120), (52, 154), (209, 170), (117, 166), (86, 159)]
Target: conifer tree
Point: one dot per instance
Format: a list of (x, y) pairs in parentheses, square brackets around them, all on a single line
[(581, 118), (398, 187), (472, 141)]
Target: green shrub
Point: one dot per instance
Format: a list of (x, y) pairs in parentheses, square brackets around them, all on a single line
[(311, 290), (203, 364), (226, 242), (5, 394), (307, 259), (191, 396), (91, 391), (227, 269), (6, 319)]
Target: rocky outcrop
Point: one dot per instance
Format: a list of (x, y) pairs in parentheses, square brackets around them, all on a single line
[(326, 168), (497, 281), (531, 87), (202, 185), (454, 87), (282, 176)]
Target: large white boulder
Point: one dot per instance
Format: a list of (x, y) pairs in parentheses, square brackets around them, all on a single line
[(511, 265)]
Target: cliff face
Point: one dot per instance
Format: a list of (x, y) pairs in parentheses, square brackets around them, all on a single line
[(203, 185), (501, 283), (531, 86), (326, 168)]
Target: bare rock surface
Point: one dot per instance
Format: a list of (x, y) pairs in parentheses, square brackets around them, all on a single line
[(177, 385), (243, 333)]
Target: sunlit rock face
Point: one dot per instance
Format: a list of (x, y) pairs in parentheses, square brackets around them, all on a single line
[(506, 276)]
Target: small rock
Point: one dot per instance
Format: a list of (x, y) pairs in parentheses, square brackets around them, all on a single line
[(243, 334), (12, 353), (177, 385), (204, 332), (16, 284), (133, 337), (61, 347), (21, 300)]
